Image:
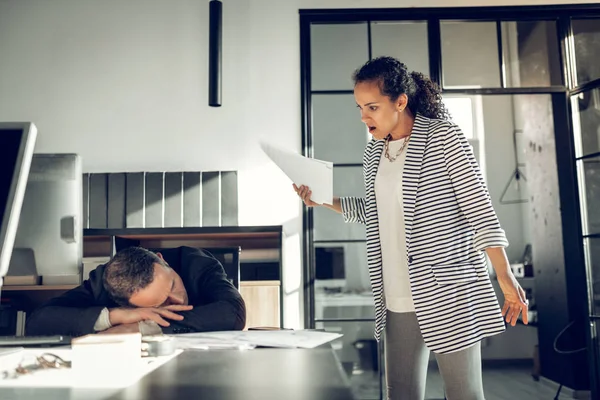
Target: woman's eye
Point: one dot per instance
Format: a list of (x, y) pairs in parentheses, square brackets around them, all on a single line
[(373, 108)]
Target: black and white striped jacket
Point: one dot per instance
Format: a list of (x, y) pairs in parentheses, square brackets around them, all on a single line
[(449, 222)]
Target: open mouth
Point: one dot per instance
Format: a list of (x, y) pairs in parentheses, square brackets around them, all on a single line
[(371, 129)]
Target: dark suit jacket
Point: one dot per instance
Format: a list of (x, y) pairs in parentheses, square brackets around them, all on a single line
[(217, 303)]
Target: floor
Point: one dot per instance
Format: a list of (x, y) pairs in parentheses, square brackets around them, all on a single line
[(500, 383)]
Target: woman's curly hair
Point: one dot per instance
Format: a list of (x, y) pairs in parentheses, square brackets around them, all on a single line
[(424, 95)]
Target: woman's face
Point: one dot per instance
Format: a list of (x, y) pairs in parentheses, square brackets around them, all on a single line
[(379, 113)]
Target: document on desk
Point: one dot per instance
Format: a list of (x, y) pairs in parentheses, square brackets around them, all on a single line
[(316, 174), (305, 339)]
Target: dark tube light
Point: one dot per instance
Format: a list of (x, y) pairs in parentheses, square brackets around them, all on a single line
[(215, 51)]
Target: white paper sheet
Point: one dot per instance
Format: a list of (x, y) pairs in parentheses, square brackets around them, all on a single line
[(249, 339), (316, 174)]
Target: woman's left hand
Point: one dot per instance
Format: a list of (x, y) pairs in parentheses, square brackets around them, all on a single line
[(515, 300)]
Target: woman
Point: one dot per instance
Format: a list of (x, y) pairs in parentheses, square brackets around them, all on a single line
[(429, 219)]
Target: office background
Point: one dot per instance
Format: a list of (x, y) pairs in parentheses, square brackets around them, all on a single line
[(124, 84)]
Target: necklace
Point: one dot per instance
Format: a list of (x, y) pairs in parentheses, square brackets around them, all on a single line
[(387, 148)]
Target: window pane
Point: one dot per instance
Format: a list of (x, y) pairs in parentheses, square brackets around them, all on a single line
[(586, 35), (470, 54), (358, 354), (531, 53), (586, 122), (596, 335), (589, 172), (592, 252), (461, 112), (329, 225), (406, 41), (336, 51), (517, 149), (339, 135), (341, 268)]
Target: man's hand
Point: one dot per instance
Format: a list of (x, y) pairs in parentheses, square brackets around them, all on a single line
[(125, 328), (123, 316)]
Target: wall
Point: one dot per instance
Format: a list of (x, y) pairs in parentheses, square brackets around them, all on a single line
[(123, 83)]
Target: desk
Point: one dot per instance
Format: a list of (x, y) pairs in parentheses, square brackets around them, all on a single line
[(260, 374), (261, 263)]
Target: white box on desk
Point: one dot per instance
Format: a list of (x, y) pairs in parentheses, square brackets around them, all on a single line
[(107, 357)]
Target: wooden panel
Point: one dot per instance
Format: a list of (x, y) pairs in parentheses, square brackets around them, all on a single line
[(192, 199), (98, 200), (259, 283), (173, 199), (116, 200), (262, 305), (229, 198), (97, 246), (136, 183), (247, 244), (38, 287), (154, 199), (211, 202)]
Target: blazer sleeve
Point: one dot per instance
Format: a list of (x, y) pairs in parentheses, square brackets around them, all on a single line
[(353, 209), (74, 313), (470, 190), (219, 307)]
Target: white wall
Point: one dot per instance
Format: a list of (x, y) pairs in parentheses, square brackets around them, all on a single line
[(500, 164), (124, 84)]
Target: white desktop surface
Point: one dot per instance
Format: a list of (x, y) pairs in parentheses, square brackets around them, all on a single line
[(93, 388)]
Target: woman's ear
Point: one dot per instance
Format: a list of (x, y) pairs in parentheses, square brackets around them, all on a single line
[(402, 102)]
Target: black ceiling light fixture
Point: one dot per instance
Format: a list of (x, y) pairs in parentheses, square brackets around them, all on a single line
[(215, 52)]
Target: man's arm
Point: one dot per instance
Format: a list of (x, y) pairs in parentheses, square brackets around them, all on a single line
[(74, 313), (222, 307)]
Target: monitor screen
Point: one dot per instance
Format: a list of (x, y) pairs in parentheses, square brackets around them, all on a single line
[(329, 263), (17, 142), (11, 142)]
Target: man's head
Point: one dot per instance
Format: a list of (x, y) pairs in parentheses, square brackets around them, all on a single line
[(140, 278)]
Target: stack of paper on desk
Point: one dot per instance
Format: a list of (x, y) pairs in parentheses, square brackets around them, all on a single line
[(250, 339), (316, 174)]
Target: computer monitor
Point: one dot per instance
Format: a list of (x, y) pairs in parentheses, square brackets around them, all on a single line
[(50, 234), (342, 266), (17, 143), (330, 263)]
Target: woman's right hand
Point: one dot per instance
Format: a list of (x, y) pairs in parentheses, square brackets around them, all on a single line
[(304, 193)]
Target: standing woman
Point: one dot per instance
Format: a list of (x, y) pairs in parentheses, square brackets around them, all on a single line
[(429, 221)]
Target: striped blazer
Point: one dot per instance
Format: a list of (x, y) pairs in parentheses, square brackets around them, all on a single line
[(449, 221)]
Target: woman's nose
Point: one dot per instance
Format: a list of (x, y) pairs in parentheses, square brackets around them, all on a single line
[(363, 117)]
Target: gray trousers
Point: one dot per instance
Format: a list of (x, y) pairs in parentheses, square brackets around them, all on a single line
[(407, 358)]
